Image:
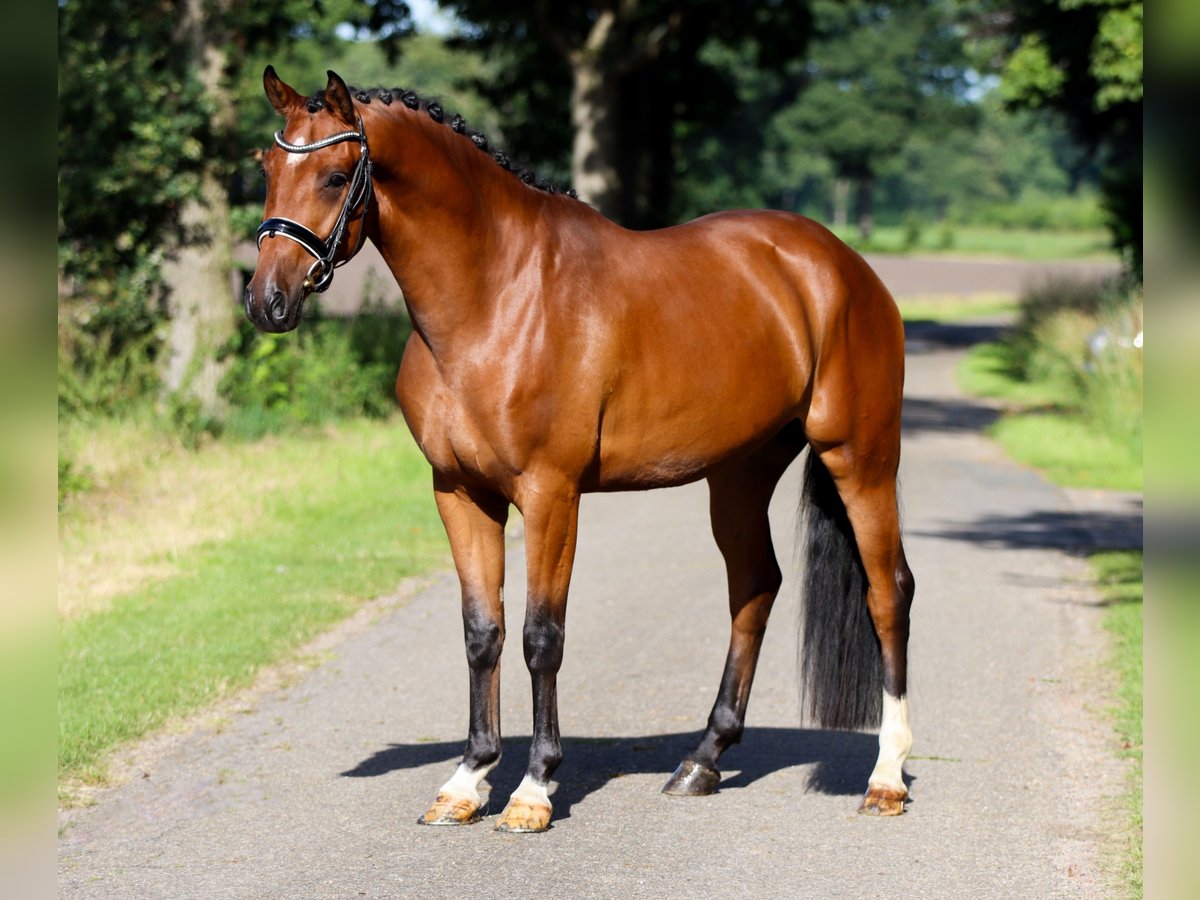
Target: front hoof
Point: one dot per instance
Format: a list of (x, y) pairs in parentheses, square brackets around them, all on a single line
[(451, 810), (692, 780), (883, 801), (521, 817)]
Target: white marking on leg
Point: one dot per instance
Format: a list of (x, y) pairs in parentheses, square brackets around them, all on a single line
[(895, 740), (465, 782), (531, 792)]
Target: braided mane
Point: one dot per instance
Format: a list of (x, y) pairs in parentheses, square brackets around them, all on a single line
[(456, 123)]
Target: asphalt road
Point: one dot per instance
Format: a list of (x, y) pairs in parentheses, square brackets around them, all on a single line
[(313, 789)]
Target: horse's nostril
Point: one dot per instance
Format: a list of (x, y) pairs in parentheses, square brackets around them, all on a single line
[(277, 308), (248, 302)]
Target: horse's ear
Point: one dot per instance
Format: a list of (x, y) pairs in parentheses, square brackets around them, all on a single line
[(282, 96), (337, 98)]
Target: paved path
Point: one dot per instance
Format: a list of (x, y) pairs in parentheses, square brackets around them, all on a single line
[(313, 790)]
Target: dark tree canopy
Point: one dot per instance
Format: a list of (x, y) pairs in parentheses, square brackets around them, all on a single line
[(1083, 58), (650, 74)]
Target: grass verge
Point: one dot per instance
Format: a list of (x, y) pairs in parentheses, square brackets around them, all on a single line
[(1041, 428), (1119, 575), (1072, 384), (980, 240), (955, 307), (353, 516)]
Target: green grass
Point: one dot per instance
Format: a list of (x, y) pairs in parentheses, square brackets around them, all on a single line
[(1069, 451), (356, 516), (1041, 430), (979, 240), (1119, 575), (955, 308)]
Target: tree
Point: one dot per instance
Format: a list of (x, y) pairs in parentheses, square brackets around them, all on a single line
[(877, 73), (1084, 59), (609, 80), (146, 149)]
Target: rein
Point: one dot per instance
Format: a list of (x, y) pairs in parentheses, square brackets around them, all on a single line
[(320, 273)]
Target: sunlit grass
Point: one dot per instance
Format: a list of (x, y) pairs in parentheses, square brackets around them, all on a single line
[(1069, 452), (956, 307), (1041, 430), (311, 526), (980, 240), (1119, 575)]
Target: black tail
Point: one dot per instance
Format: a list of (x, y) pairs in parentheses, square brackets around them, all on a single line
[(841, 669)]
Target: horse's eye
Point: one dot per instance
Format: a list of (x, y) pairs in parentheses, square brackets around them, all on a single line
[(336, 180)]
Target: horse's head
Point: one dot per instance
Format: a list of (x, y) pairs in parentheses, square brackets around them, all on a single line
[(318, 173)]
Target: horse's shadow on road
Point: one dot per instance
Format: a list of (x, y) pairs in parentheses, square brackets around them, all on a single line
[(841, 761)]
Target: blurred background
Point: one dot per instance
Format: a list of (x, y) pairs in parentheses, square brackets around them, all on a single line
[(942, 126)]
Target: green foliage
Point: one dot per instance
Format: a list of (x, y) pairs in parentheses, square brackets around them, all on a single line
[(877, 74), (665, 89), (1084, 59), (324, 371), (875, 70), (947, 160), (131, 133), (132, 129), (108, 346), (1070, 450), (1086, 336), (983, 240), (137, 131), (1075, 360)]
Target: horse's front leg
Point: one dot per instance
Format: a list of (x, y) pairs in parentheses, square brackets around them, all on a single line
[(551, 517), (475, 525)]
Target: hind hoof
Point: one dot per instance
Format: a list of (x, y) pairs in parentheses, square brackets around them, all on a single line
[(692, 780), (883, 801)]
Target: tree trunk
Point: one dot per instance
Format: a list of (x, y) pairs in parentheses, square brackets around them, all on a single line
[(593, 114), (841, 201), (866, 206), (199, 267)]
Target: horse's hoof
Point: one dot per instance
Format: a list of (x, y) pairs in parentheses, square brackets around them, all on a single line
[(883, 801), (450, 810), (521, 817), (692, 780)]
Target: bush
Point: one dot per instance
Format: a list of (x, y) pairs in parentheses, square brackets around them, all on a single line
[(1085, 339), (1034, 209), (108, 346), (325, 370)]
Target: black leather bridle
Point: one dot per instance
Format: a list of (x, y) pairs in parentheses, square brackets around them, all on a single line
[(320, 273)]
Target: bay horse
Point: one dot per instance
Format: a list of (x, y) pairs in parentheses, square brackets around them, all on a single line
[(555, 353)]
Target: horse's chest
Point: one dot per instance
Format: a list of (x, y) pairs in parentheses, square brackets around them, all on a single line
[(452, 438)]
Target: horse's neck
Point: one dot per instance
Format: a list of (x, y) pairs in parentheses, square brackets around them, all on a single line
[(450, 224)]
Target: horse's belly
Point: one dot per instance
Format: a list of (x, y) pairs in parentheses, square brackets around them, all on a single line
[(669, 446)]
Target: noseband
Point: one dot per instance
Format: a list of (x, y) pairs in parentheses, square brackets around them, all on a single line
[(320, 273)]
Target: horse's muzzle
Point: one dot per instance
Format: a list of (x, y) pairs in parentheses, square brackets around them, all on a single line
[(273, 311)]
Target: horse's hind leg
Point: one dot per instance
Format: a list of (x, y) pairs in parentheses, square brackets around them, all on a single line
[(738, 498), (869, 494), (475, 525)]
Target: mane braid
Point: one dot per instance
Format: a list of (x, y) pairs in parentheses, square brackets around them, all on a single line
[(455, 122)]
